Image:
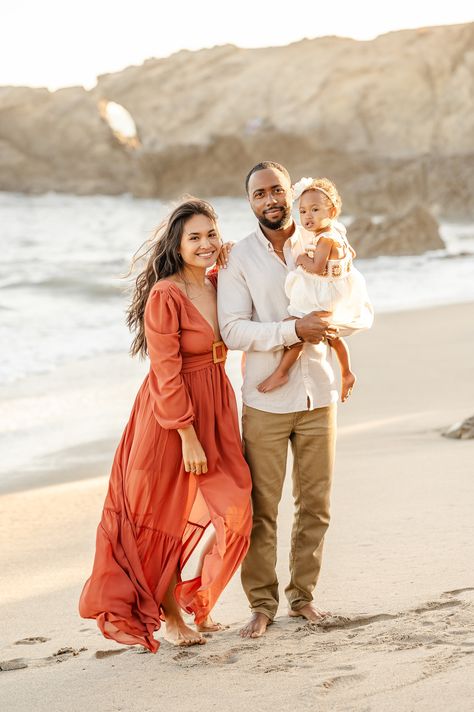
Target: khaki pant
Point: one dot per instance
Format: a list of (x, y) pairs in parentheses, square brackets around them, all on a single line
[(312, 435)]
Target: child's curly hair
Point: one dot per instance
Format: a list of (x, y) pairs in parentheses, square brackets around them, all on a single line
[(327, 187)]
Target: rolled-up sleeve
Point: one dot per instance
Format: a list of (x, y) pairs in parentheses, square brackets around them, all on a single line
[(172, 405), (235, 311)]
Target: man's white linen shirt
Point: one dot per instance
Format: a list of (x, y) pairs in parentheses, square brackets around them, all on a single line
[(251, 307)]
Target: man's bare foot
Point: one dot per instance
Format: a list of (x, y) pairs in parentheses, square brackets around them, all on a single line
[(276, 380), (208, 626), (178, 633), (256, 626), (347, 384), (310, 612)]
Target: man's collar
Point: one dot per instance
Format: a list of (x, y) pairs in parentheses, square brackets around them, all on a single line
[(265, 241)]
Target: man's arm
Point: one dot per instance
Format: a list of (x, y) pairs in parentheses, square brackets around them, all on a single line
[(234, 303), (239, 332), (360, 322)]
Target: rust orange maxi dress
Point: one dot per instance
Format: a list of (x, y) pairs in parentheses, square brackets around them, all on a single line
[(155, 513)]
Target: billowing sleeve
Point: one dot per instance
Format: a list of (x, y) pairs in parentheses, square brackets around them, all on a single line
[(172, 405)]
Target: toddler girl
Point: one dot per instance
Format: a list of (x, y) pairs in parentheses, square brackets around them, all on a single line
[(325, 278)]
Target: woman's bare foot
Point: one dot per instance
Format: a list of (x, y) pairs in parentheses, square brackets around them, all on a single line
[(208, 626), (310, 612), (256, 626), (178, 633), (347, 384), (277, 379)]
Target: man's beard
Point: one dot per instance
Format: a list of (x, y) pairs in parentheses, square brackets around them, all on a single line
[(278, 224)]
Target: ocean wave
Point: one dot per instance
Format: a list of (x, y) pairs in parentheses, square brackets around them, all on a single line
[(67, 285), (454, 255), (62, 297)]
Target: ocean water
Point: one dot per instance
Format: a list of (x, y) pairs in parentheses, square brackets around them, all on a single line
[(62, 296)]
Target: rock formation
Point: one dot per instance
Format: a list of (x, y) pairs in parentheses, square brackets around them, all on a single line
[(461, 431), (390, 120), (412, 233)]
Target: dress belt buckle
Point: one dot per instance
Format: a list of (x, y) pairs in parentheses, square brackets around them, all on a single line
[(215, 346)]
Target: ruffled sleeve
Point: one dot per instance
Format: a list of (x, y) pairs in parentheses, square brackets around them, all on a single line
[(337, 233), (171, 402)]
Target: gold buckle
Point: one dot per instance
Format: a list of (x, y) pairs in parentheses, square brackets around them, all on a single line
[(216, 345)]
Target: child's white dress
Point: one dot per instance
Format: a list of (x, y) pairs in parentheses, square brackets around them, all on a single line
[(341, 290)]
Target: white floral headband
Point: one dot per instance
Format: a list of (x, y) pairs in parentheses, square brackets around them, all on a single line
[(303, 184)]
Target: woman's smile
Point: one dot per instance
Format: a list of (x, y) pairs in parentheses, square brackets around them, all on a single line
[(207, 254)]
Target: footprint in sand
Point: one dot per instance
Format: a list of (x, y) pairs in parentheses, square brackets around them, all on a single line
[(278, 668), (343, 622), (228, 658), (58, 657), (31, 641), (457, 591), (184, 655), (435, 606), (100, 654), (345, 667), (341, 681), (15, 664), (65, 653)]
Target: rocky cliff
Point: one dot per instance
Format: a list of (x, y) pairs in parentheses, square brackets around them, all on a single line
[(390, 120)]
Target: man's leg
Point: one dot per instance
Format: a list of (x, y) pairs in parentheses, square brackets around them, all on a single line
[(265, 436), (313, 444)]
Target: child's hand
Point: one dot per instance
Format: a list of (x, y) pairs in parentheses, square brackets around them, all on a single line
[(223, 256)]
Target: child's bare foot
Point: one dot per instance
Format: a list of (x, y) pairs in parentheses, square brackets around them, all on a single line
[(178, 633), (347, 384), (277, 379), (208, 626)]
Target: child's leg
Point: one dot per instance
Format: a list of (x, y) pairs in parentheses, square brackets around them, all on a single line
[(280, 376), (348, 378)]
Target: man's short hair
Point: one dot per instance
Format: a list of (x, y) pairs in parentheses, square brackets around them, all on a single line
[(261, 167)]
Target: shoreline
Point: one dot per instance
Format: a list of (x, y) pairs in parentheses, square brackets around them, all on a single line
[(118, 376)]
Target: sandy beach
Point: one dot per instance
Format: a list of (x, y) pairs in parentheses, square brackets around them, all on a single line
[(397, 576)]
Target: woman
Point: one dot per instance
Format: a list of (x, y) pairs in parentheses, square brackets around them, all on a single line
[(179, 465)]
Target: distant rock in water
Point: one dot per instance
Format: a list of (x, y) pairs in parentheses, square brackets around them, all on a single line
[(461, 431), (413, 233)]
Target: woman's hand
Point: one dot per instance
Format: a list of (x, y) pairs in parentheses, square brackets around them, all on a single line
[(194, 457), (223, 256)]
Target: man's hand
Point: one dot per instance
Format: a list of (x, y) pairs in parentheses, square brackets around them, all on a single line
[(223, 256), (314, 327)]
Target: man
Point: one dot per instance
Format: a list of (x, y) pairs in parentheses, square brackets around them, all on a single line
[(252, 307)]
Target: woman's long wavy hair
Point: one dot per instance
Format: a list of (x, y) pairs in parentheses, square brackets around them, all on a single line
[(162, 259)]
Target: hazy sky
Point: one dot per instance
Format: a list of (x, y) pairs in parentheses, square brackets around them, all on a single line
[(51, 43)]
